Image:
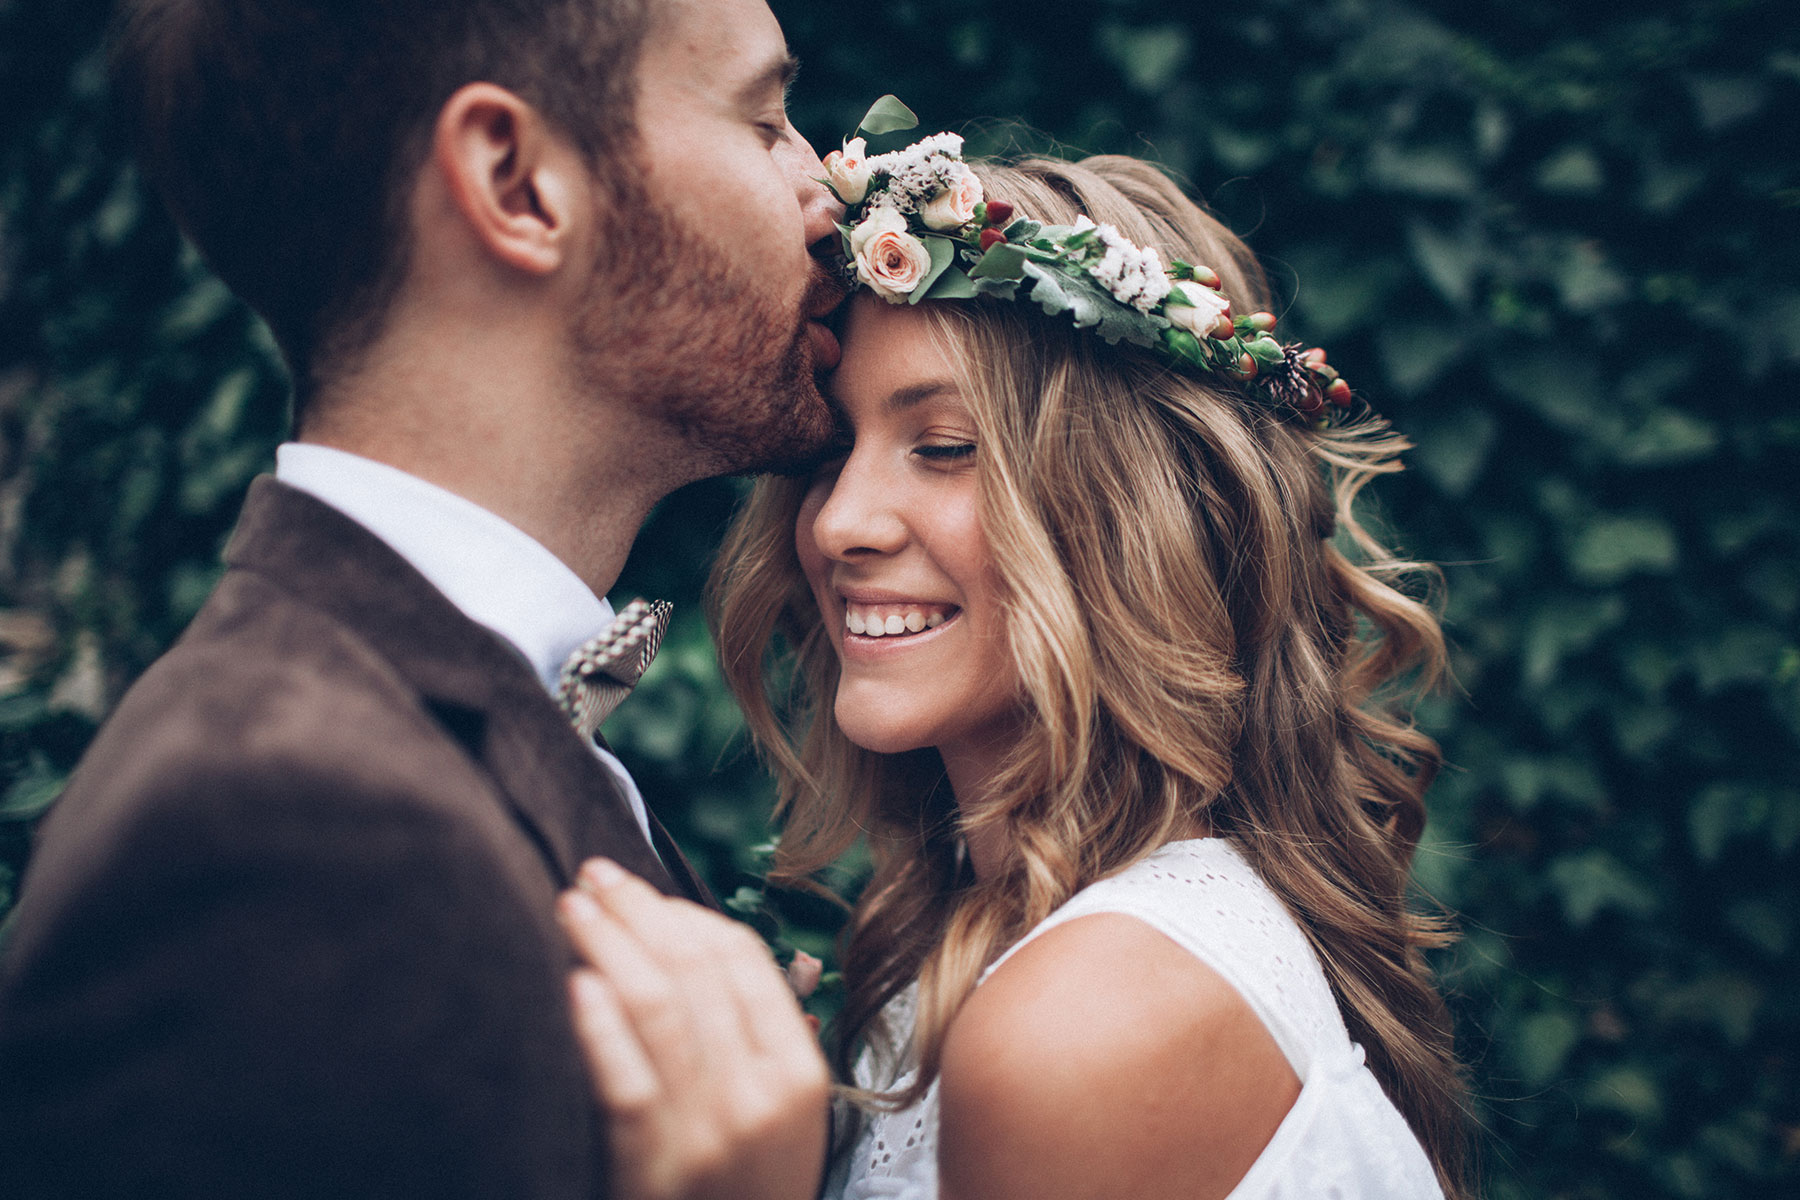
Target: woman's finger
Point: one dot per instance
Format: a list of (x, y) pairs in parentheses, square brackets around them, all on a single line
[(659, 1008), (624, 1075), (701, 960)]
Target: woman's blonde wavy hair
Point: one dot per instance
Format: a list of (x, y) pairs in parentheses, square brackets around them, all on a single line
[(1195, 649)]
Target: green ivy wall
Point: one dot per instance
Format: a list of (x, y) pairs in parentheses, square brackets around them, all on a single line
[(1555, 241)]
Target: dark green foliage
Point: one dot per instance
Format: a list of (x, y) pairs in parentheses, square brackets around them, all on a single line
[(1555, 242)]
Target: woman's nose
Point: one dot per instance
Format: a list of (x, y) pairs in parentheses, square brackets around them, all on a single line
[(860, 516)]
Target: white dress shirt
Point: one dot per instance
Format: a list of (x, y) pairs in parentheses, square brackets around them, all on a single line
[(498, 575)]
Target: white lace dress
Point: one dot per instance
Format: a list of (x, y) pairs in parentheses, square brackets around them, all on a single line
[(1342, 1139)]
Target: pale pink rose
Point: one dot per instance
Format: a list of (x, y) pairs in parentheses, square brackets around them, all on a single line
[(879, 220), (848, 171), (892, 263), (803, 974), (953, 207), (1206, 312)]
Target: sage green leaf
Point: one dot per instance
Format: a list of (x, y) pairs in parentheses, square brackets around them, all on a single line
[(1002, 261), (1091, 306), (887, 115)]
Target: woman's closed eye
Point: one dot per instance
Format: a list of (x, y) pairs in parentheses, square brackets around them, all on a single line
[(945, 452)]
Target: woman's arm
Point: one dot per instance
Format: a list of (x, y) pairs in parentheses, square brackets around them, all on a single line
[(1103, 1060), (714, 1087)]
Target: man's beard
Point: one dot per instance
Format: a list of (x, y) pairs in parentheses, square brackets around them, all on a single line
[(729, 367)]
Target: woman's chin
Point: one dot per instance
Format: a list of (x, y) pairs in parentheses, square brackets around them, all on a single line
[(876, 732)]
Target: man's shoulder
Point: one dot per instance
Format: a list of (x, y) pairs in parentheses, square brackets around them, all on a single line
[(266, 711), (262, 679)]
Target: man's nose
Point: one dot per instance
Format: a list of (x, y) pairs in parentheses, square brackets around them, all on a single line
[(819, 207)]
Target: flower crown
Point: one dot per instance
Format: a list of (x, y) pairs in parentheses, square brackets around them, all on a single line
[(917, 227)]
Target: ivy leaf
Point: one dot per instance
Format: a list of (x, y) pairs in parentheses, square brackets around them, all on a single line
[(887, 115), (33, 791), (1593, 881)]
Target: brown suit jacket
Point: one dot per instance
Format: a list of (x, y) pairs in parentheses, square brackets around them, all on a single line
[(289, 931)]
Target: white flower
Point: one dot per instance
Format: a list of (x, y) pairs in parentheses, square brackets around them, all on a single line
[(953, 207), (881, 219), (1133, 274), (1206, 309), (892, 263), (918, 173), (849, 171)]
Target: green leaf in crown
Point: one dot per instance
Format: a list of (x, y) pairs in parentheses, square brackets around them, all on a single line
[(917, 227)]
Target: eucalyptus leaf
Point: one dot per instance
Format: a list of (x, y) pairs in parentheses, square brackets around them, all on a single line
[(943, 253), (1002, 261), (953, 284), (887, 115)]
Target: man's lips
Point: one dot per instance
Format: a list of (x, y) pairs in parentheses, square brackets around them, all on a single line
[(826, 350)]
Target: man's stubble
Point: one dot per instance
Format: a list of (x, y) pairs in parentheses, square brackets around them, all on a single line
[(671, 320)]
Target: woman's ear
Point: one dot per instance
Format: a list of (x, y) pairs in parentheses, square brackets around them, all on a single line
[(514, 180)]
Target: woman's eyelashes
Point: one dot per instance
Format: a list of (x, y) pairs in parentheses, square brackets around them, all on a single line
[(945, 451)]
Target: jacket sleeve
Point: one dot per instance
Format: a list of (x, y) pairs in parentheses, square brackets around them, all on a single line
[(278, 982)]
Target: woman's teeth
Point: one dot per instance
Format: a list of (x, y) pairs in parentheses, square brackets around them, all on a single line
[(887, 620)]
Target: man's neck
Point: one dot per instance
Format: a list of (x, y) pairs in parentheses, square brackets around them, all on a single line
[(582, 493)]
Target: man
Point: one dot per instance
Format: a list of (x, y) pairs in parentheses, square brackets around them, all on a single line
[(533, 265)]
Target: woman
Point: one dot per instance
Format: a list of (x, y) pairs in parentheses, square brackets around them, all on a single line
[(1078, 647)]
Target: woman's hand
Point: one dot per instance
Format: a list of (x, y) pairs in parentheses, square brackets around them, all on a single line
[(713, 1085)]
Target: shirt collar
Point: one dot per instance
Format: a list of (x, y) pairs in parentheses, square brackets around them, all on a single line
[(498, 575)]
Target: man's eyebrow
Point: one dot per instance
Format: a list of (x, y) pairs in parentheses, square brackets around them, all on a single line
[(777, 76)]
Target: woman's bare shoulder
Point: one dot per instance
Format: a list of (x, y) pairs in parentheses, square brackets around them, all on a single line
[(1103, 1059)]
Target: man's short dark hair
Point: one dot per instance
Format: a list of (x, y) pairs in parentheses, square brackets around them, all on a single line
[(285, 135)]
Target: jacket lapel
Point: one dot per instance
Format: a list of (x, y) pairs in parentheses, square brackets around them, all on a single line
[(479, 688)]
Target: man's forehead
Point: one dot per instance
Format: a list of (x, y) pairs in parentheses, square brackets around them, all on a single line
[(738, 35)]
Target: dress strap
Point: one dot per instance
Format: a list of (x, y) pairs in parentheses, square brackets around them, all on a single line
[(1206, 898)]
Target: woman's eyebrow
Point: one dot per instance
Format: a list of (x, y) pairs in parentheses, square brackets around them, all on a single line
[(917, 393)]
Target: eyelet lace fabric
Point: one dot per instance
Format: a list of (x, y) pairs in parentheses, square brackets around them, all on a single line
[(1342, 1140)]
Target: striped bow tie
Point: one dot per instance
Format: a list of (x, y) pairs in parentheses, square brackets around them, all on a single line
[(605, 668)]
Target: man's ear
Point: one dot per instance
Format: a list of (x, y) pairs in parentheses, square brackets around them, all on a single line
[(513, 179)]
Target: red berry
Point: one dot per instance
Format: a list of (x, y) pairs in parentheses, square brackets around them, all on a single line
[(999, 212), (990, 238), (1339, 393)]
